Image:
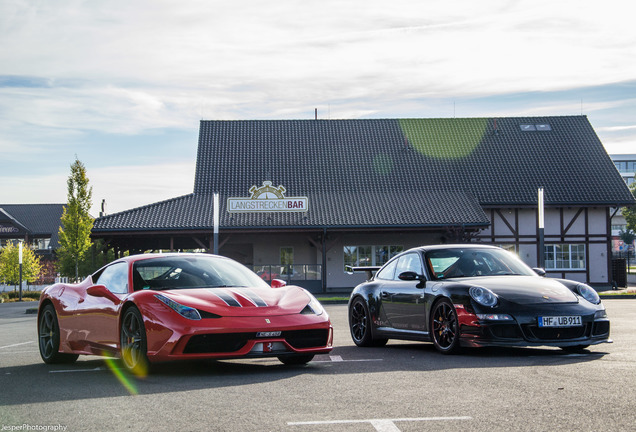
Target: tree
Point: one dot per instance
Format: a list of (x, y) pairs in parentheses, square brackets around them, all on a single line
[(629, 213), (10, 264), (76, 221)]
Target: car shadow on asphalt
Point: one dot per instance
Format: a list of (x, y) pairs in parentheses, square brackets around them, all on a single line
[(92, 377)]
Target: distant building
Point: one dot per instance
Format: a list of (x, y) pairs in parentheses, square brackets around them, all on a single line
[(626, 165), (35, 224), (301, 199)]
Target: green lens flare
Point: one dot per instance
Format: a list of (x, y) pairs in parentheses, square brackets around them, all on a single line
[(382, 164), (444, 138), (123, 379)]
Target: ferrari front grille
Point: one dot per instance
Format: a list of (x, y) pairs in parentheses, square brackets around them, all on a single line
[(306, 338), (216, 343), (231, 342)]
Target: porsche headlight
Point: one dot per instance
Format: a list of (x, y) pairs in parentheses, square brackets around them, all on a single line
[(184, 311), (483, 296), (313, 307), (588, 293)]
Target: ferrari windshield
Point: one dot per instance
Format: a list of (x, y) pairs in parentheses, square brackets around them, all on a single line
[(173, 272), (471, 262)]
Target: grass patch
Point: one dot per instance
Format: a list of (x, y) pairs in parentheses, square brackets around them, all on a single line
[(322, 299), (617, 293)]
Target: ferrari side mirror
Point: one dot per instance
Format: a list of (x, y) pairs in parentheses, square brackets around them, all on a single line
[(277, 283), (102, 291)]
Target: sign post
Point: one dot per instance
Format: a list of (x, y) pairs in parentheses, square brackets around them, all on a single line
[(20, 261), (216, 223), (541, 221)]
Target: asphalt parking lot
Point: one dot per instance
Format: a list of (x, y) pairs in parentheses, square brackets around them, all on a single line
[(400, 387)]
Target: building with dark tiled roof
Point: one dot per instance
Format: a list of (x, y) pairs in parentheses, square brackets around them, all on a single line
[(321, 194), (35, 224)]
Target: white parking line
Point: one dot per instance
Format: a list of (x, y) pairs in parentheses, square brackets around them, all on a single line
[(339, 359), (78, 370), (15, 345), (380, 425)]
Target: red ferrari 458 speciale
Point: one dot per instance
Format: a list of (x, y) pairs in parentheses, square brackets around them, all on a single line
[(160, 307)]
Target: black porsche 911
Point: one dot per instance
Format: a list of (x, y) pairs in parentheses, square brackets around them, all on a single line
[(473, 296)]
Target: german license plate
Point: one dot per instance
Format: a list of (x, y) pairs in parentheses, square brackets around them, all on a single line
[(268, 334), (560, 321)]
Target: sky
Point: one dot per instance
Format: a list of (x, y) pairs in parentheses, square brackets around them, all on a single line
[(121, 85)]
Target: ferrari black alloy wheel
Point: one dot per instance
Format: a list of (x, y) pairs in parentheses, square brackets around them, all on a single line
[(445, 327), (296, 359), (360, 325), (133, 342), (49, 338)]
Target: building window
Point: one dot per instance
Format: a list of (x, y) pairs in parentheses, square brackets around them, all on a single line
[(40, 244), (565, 257), (363, 256), (287, 256)]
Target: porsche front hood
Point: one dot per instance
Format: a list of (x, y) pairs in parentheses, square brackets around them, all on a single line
[(242, 301), (526, 289)]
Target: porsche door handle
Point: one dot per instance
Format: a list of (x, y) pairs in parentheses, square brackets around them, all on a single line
[(385, 295)]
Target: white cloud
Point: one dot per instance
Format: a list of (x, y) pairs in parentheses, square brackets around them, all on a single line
[(122, 67), (126, 187)]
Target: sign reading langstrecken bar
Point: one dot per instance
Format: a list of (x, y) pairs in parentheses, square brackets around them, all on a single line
[(265, 199), (8, 229)]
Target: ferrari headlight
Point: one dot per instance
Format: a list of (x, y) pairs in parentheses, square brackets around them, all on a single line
[(483, 296), (313, 307), (184, 311), (588, 293)]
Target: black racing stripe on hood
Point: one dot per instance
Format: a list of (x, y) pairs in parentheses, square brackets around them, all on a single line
[(254, 297), (227, 298)]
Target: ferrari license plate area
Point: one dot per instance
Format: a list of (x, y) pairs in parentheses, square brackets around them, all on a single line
[(268, 347), (560, 321)]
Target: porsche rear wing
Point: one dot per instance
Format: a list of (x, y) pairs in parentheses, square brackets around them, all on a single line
[(369, 270)]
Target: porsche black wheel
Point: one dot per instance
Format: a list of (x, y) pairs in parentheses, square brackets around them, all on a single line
[(49, 338), (445, 327), (296, 359), (133, 342), (360, 325)]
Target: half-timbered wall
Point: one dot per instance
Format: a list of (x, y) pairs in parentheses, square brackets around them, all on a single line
[(577, 240)]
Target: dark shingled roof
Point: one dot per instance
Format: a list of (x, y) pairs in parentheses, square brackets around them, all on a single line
[(389, 172), (39, 219)]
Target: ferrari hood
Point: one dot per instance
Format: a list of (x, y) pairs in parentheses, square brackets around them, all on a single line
[(526, 289), (241, 301)]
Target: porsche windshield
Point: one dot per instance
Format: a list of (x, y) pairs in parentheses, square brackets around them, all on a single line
[(471, 262), (173, 272)]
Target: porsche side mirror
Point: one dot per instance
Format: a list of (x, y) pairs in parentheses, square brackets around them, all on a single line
[(539, 271), (408, 276), (102, 291), (277, 283), (411, 276)]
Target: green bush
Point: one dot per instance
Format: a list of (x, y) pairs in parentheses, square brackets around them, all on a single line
[(12, 296)]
